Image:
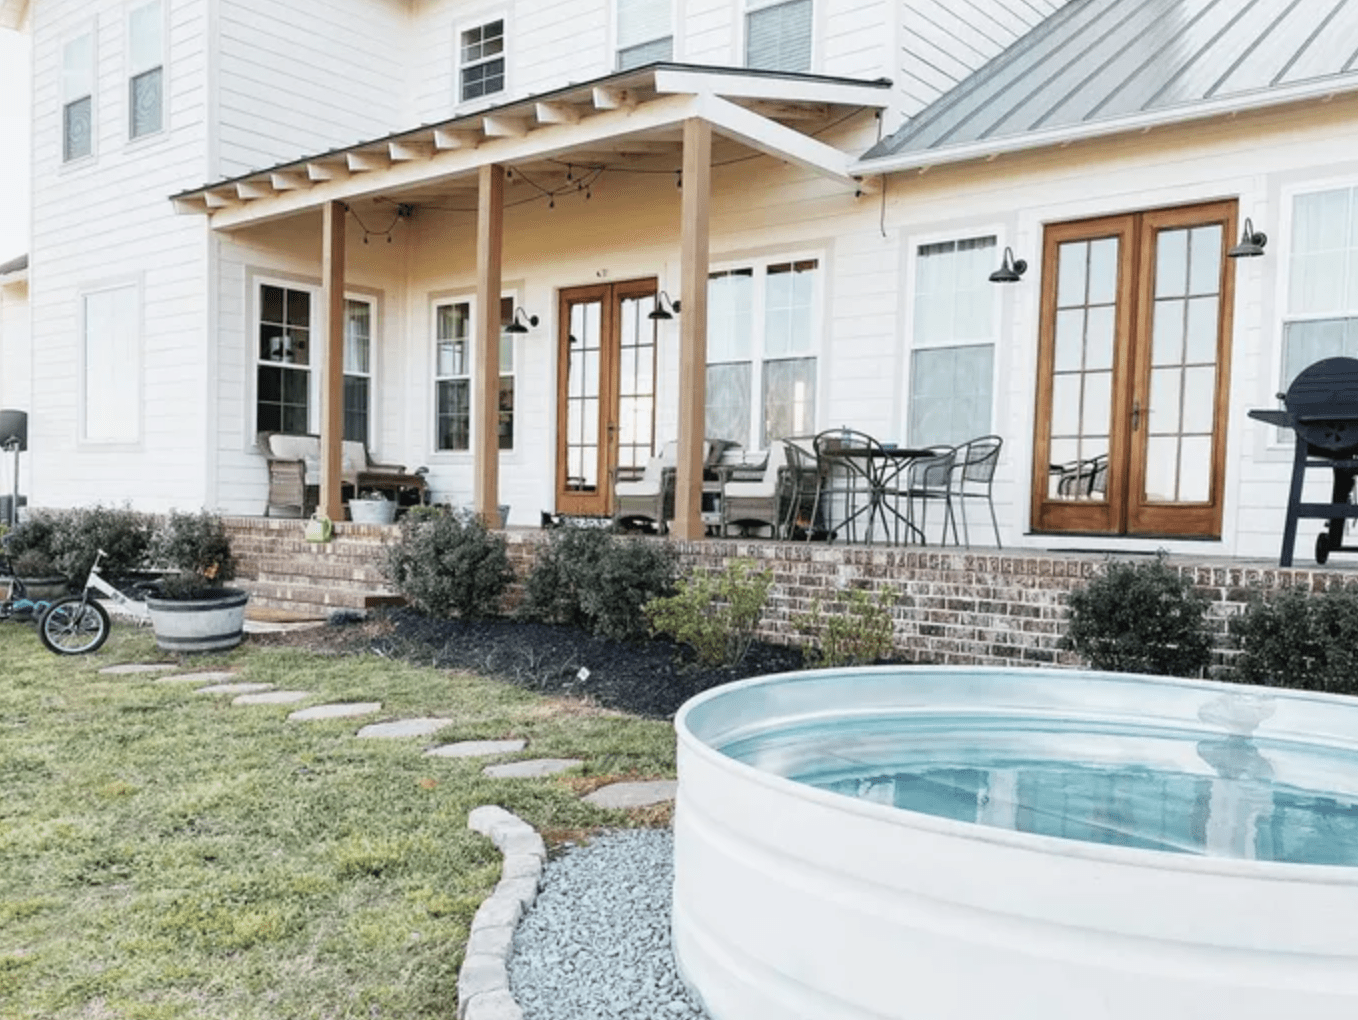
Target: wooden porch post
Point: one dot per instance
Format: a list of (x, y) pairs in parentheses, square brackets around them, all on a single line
[(486, 380), (332, 365), (693, 260)]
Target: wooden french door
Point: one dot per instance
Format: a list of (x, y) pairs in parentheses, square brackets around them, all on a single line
[(1133, 373), (606, 390)]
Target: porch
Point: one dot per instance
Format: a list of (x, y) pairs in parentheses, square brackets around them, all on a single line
[(980, 606)]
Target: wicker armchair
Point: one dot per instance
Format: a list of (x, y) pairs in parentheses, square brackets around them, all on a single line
[(294, 466)]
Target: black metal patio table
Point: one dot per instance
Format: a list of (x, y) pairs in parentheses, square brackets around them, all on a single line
[(881, 468), (1321, 407)]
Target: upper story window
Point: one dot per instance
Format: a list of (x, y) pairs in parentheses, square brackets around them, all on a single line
[(644, 33), (77, 98), (953, 341), (778, 37), (1321, 320), (145, 69), (482, 60), (762, 339)]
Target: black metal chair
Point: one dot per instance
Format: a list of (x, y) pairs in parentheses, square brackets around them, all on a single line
[(974, 478), (845, 492), (929, 480)]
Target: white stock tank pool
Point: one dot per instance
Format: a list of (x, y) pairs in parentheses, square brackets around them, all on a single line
[(993, 844)]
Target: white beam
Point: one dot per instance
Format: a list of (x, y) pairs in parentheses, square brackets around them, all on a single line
[(789, 111), (773, 139), (195, 206), (503, 127), (288, 181), (364, 162), (544, 143), (606, 98), (326, 171), (444, 138), (253, 189), (215, 201), (402, 152), (557, 113)]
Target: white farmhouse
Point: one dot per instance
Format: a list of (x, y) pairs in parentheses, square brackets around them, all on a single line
[(256, 216)]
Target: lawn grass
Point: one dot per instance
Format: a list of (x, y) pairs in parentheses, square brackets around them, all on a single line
[(165, 854)]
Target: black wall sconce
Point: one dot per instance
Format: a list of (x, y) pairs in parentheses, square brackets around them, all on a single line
[(665, 309), (1251, 242), (521, 322), (1011, 270)]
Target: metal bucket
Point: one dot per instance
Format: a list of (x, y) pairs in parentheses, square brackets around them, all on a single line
[(199, 625)]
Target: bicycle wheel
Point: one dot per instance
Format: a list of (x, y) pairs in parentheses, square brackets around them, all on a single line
[(73, 626)]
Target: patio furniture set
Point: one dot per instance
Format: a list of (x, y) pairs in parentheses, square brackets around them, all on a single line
[(840, 484)]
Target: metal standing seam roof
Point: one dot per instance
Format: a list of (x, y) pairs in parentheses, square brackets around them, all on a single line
[(1106, 60)]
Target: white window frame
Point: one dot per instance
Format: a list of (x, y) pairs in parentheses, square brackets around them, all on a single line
[(133, 68), (616, 47), (753, 440), (911, 343), (88, 30), (743, 10), (315, 340), (437, 301), (459, 65), (374, 328), (134, 400)]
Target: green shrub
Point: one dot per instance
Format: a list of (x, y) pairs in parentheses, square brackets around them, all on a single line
[(589, 578), (451, 564), (197, 549), (715, 614), (1140, 618), (30, 546), (856, 632), (1299, 639), (78, 535)]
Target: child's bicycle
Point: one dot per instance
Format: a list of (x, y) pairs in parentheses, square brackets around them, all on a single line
[(78, 624)]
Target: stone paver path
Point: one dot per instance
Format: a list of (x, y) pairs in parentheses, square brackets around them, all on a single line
[(212, 676), (629, 795), (237, 688), (477, 748), (345, 710), (404, 728), (271, 698), (139, 667), (532, 768)]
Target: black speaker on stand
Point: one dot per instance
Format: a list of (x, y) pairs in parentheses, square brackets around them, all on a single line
[(13, 439)]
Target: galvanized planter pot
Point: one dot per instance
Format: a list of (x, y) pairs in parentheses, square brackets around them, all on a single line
[(199, 625)]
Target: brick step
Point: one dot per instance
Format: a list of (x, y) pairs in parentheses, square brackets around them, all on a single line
[(338, 572), (288, 596)]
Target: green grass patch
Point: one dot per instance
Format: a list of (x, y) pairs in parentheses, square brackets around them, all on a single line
[(164, 854)]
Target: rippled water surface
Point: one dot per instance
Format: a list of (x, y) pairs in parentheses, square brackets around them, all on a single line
[(1176, 790)]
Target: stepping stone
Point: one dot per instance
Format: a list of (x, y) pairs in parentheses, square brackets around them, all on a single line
[(237, 688), (139, 667), (531, 768), (628, 795), (404, 728), (213, 676), (477, 748), (342, 711), (271, 698)]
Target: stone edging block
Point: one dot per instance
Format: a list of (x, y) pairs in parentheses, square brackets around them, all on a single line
[(483, 982)]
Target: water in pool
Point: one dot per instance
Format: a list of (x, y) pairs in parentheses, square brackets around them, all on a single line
[(1176, 790)]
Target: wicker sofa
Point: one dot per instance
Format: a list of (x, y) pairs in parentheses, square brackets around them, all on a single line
[(294, 465)]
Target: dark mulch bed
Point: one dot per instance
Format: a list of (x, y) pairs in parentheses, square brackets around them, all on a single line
[(650, 678)]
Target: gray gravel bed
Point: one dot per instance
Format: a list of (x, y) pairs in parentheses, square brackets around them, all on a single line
[(596, 942)]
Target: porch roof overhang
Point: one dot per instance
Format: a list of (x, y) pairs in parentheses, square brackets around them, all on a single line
[(12, 13), (643, 108)]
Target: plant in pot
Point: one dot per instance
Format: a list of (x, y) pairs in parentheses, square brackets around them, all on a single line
[(191, 609), (371, 507), (30, 551)]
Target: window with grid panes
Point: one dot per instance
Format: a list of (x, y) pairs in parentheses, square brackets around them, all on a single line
[(358, 331), (952, 341), (482, 60), (778, 37), (146, 69), (762, 336), (644, 34), (453, 376), (1321, 320), (283, 374), (77, 105)]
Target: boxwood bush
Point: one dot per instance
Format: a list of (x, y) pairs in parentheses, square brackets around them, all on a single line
[(1140, 618), (450, 564), (1301, 639)]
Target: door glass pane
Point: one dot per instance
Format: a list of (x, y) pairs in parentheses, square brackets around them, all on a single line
[(636, 374), (583, 386), (1082, 377), (1182, 394)]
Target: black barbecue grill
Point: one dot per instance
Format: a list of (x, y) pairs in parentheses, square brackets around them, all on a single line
[(1321, 407)]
